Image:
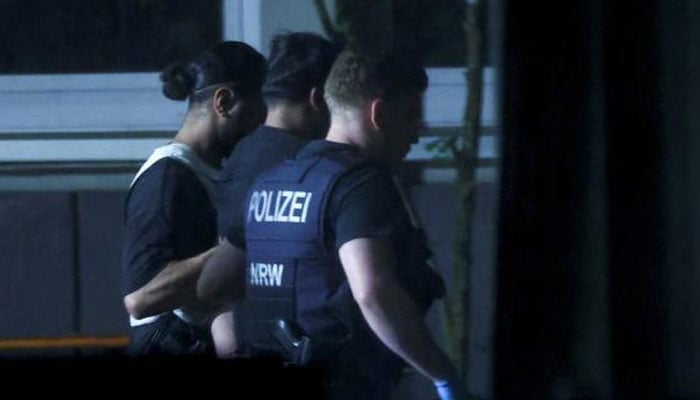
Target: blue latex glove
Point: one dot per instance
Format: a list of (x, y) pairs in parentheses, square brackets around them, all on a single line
[(453, 389)]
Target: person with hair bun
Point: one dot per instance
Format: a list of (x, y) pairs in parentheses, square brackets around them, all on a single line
[(170, 218)]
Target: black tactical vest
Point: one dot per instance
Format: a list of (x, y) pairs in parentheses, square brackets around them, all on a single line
[(291, 273)]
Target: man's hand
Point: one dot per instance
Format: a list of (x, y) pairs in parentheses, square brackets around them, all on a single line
[(452, 389), (173, 287)]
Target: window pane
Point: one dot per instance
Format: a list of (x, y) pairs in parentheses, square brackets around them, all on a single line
[(82, 36)]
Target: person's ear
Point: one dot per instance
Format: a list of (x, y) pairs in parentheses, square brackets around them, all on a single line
[(316, 100), (224, 101), (377, 110)]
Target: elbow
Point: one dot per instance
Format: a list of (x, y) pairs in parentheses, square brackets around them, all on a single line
[(206, 290), (222, 279), (238, 292), (137, 307), (367, 298), (134, 306), (213, 293), (377, 293)]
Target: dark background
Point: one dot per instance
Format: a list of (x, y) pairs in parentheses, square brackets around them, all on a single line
[(599, 216), (599, 267)]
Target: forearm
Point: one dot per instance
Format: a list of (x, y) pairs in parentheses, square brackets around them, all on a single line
[(222, 280), (224, 335), (393, 316), (173, 287), (396, 320)]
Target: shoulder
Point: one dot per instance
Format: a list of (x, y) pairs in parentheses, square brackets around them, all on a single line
[(167, 173), (364, 203), (262, 148), (366, 189), (363, 174), (164, 181), (350, 169), (266, 138)]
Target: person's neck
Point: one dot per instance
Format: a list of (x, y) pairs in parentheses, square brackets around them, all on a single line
[(289, 118), (348, 131), (196, 136)]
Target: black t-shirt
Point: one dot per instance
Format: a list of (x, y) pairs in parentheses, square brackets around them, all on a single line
[(364, 202), (255, 153), (169, 216)]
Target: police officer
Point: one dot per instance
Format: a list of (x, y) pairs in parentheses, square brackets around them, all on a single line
[(330, 246), (170, 222), (298, 65)]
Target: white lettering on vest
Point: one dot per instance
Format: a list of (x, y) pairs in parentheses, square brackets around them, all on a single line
[(254, 199), (306, 206), (268, 203), (296, 205), (263, 274), (289, 206), (286, 196)]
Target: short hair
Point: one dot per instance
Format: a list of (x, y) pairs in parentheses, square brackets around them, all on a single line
[(230, 62), (356, 78), (298, 61)]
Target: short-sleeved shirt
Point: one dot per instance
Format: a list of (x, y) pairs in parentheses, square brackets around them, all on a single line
[(364, 202), (255, 153), (169, 216)]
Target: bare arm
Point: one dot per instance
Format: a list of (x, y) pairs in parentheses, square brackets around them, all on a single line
[(387, 308), (223, 278), (173, 287), (223, 332)]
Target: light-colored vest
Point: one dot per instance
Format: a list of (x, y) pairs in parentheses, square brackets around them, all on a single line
[(207, 175)]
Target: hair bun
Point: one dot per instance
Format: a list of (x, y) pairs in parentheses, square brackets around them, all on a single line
[(178, 81)]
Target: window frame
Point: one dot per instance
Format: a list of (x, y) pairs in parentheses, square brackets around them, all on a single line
[(122, 116)]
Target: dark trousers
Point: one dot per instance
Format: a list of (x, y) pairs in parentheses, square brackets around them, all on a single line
[(170, 336)]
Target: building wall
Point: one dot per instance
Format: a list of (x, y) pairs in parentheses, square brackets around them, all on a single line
[(70, 144)]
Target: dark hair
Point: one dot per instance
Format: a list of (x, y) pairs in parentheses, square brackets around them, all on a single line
[(298, 62), (355, 78), (228, 62)]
